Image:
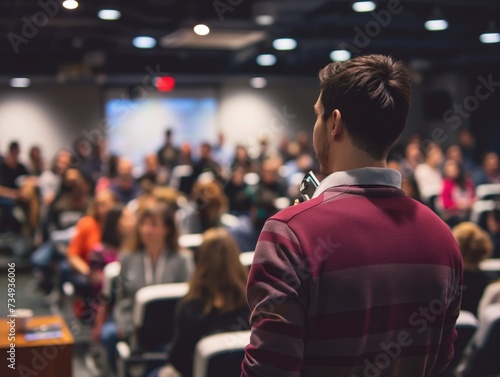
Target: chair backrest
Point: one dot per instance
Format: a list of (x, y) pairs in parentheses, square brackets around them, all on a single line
[(479, 210), (485, 360), (111, 272), (467, 325), (246, 258), (220, 354), (491, 265), (488, 191), (190, 241), (153, 315)]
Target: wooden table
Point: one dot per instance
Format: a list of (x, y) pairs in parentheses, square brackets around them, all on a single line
[(40, 358)]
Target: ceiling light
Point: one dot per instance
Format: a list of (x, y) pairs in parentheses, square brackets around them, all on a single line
[(109, 14), (363, 6), (258, 82), (20, 82), (201, 29), (144, 42), (264, 20), (284, 44), (266, 60), (70, 4), (490, 37), (435, 25), (340, 55)]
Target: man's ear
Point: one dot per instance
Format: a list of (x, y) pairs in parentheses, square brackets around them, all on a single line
[(337, 127)]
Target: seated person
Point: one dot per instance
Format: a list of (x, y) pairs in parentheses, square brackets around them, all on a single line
[(458, 193), (215, 303), (204, 209), (156, 261), (87, 236), (247, 232), (124, 186), (475, 246), (65, 210)]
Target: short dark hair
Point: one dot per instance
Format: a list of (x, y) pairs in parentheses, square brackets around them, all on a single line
[(14, 145), (372, 93)]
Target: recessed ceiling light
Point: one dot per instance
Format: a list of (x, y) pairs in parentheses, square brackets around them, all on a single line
[(109, 14), (20, 82), (490, 37), (201, 29), (435, 25), (258, 82), (264, 20), (364, 6), (340, 55), (144, 42), (266, 60), (70, 4), (284, 44)]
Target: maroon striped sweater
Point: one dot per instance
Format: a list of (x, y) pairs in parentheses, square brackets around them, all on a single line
[(359, 281)]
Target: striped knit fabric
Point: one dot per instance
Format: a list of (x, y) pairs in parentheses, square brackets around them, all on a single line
[(360, 281)]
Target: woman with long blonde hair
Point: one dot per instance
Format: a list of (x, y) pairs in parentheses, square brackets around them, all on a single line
[(216, 301)]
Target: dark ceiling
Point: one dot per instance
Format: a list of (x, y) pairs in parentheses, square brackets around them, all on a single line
[(76, 42)]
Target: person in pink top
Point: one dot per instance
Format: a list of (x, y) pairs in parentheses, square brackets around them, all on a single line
[(458, 194)]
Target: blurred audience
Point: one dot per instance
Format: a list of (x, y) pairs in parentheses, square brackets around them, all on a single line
[(87, 210)]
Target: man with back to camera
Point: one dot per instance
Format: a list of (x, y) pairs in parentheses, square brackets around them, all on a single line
[(361, 280)]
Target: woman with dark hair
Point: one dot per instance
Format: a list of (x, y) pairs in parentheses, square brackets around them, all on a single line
[(215, 303), (158, 261), (458, 195)]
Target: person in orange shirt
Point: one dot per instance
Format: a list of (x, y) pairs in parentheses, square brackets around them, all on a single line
[(88, 232), (87, 236)]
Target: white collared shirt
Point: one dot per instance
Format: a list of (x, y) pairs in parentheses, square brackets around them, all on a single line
[(360, 177)]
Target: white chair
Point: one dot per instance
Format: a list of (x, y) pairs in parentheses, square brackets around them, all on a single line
[(282, 203), (483, 357), (153, 321), (491, 265), (190, 241), (467, 324), (479, 208), (220, 354), (178, 173), (229, 220), (488, 191), (251, 179), (111, 272), (246, 258)]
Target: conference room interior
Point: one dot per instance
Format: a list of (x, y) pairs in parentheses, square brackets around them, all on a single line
[(115, 115)]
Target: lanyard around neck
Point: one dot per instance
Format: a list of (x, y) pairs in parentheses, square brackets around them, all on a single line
[(158, 270)]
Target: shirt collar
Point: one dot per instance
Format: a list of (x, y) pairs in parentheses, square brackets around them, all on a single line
[(360, 177)]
